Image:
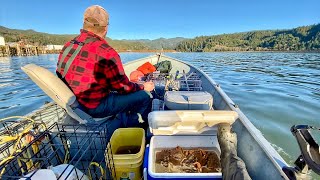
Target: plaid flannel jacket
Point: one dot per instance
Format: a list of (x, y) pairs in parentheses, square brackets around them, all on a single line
[(96, 70)]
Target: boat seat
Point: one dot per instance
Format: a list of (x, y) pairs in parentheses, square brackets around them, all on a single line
[(59, 92), (188, 122), (188, 100)]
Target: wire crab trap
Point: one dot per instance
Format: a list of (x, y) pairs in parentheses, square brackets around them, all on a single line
[(176, 81), (16, 129), (14, 134), (49, 113), (63, 152)]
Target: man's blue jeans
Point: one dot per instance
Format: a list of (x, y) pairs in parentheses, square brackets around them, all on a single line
[(125, 106)]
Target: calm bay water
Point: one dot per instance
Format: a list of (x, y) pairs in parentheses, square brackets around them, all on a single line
[(274, 90)]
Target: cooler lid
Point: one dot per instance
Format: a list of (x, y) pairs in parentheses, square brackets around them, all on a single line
[(189, 122)]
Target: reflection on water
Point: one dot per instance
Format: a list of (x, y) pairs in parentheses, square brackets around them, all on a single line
[(18, 94), (274, 90)]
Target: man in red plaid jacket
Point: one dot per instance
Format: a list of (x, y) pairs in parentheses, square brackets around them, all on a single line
[(94, 72)]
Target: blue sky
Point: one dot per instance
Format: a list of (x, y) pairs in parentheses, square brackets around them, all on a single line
[(151, 19)]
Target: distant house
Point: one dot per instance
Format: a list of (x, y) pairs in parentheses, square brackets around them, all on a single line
[(2, 42), (54, 47), (12, 44)]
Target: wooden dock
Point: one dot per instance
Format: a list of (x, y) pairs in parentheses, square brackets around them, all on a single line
[(16, 49)]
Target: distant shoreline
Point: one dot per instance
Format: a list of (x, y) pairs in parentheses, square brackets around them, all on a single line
[(303, 39), (153, 50), (173, 51)]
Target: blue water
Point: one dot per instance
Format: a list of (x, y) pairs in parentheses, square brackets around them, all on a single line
[(274, 90)]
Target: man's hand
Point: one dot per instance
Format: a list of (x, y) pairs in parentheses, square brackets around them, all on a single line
[(148, 86)]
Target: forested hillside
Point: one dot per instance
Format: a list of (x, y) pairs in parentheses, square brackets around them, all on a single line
[(38, 38), (161, 43), (298, 39), (33, 37), (305, 38)]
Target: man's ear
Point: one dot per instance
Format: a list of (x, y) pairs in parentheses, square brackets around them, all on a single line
[(106, 31)]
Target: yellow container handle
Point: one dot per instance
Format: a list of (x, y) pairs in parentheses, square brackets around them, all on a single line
[(99, 166)]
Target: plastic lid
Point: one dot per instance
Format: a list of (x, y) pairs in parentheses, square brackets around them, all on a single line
[(188, 121)]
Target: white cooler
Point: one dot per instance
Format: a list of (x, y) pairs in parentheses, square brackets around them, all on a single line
[(187, 129)]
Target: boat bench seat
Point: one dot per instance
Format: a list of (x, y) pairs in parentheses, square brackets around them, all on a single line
[(188, 100), (188, 122), (59, 92)]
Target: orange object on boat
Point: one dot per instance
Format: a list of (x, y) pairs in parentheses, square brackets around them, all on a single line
[(136, 75), (147, 68), (29, 138)]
